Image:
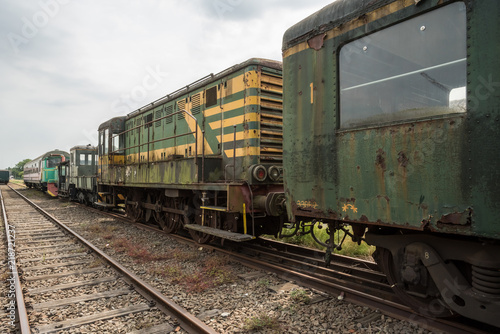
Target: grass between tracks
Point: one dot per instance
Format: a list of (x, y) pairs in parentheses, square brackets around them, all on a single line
[(214, 272), (349, 248)]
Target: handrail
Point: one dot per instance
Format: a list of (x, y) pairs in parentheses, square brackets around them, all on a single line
[(148, 143)]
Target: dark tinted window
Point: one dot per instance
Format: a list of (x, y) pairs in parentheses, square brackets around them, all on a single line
[(211, 97)]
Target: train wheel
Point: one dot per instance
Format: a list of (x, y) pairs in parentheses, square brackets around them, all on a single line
[(150, 199), (81, 198), (168, 221), (412, 295), (135, 211)]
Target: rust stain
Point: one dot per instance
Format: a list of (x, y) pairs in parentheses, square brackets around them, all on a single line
[(403, 159), (380, 159), (386, 197), (455, 218), (316, 42)]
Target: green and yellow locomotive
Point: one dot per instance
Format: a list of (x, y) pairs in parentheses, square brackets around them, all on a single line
[(391, 126), (207, 157)]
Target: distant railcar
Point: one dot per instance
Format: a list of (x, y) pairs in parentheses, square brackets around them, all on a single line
[(207, 157), (391, 124), (4, 176), (78, 176), (41, 172)]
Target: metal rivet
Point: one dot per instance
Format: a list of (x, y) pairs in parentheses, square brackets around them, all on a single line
[(365, 48), (422, 28)]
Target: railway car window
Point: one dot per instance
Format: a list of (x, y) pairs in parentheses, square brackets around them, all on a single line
[(105, 140), (83, 159), (412, 70), (211, 97), (52, 162), (116, 144)]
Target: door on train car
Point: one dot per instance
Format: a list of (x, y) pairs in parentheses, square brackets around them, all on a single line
[(103, 170), (116, 154)]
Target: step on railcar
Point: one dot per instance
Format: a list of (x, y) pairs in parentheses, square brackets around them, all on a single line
[(207, 158), (391, 126), (78, 176), (41, 172)]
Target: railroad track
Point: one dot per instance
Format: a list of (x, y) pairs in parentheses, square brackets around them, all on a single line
[(352, 279), (62, 282)]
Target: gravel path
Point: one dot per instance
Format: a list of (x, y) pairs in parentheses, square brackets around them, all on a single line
[(227, 296)]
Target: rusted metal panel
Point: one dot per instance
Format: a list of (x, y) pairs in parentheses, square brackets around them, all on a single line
[(438, 173)]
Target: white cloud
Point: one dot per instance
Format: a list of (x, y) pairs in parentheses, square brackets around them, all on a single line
[(66, 64)]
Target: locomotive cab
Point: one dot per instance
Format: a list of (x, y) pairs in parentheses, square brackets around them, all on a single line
[(78, 176), (110, 162)]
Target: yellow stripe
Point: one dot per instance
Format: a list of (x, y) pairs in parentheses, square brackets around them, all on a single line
[(232, 105), (156, 155), (228, 138), (248, 117), (356, 23), (242, 152), (239, 84)]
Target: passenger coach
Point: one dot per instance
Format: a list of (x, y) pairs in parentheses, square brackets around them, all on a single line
[(391, 122), (41, 172)]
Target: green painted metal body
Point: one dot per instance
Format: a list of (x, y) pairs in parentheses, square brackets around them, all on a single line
[(439, 173), (175, 151), (4, 176)]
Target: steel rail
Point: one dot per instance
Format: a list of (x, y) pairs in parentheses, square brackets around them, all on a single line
[(22, 314), (187, 321)]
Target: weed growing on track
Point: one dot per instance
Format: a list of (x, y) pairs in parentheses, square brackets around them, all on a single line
[(214, 272), (137, 252), (263, 321), (300, 296)]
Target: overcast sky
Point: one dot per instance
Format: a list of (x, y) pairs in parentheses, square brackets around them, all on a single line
[(66, 66)]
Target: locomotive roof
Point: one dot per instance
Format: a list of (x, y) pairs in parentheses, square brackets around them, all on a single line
[(330, 16), (48, 154), (116, 123), (207, 80), (83, 147)]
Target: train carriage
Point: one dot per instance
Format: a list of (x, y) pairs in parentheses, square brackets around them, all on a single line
[(41, 172), (391, 125), (4, 176), (78, 176), (207, 157)]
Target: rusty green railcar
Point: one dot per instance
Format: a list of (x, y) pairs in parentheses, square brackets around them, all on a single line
[(78, 175), (391, 121), (207, 157), (4, 176)]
